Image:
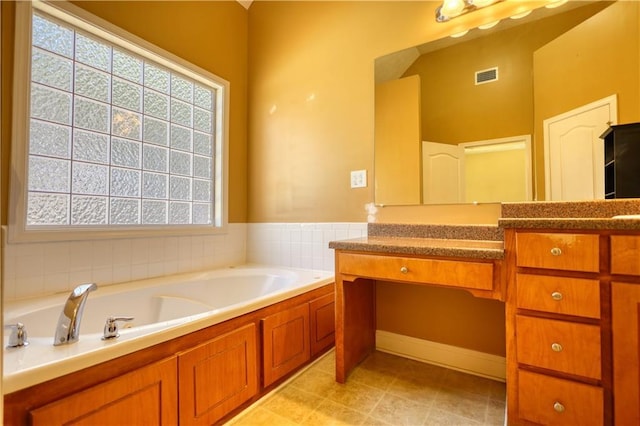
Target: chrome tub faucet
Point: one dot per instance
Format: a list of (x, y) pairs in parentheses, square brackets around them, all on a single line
[(68, 329)]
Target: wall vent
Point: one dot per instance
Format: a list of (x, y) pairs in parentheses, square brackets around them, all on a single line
[(487, 76)]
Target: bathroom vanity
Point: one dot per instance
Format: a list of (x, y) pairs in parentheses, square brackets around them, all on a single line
[(572, 293)]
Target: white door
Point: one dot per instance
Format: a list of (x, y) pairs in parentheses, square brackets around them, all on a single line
[(442, 173), (574, 152)]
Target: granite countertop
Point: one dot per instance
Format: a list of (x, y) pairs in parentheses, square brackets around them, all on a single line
[(476, 249), (596, 223)]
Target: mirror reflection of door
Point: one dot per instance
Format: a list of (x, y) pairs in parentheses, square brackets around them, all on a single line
[(442, 173), (574, 152)]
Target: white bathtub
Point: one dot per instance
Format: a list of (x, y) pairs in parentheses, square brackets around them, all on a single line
[(163, 308)]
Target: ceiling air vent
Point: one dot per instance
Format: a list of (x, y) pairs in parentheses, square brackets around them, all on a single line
[(487, 76)]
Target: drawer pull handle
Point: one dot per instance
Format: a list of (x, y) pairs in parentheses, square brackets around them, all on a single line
[(404, 269), (556, 347), (556, 251), (556, 295), (558, 407)]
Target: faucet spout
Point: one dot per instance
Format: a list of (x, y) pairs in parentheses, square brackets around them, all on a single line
[(68, 328)]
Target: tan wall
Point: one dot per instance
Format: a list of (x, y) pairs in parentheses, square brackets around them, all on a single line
[(495, 174), (212, 35), (611, 56)]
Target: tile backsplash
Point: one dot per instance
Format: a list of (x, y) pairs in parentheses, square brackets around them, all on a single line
[(35, 269)]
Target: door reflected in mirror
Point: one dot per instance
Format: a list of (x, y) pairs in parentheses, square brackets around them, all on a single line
[(482, 89)]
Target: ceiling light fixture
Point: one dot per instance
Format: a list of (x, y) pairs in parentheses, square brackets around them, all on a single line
[(555, 3), (521, 15), (488, 25), (452, 8)]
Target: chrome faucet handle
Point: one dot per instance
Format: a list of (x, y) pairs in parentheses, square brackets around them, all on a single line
[(18, 337), (111, 327)]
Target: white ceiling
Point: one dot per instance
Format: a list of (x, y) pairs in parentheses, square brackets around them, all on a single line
[(245, 3)]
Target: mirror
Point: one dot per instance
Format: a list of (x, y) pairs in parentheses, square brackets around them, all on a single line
[(464, 119)]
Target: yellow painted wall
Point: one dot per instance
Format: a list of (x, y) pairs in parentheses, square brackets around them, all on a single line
[(210, 34), (609, 46), (495, 173)]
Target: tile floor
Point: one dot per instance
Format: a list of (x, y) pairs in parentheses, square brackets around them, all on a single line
[(384, 390)]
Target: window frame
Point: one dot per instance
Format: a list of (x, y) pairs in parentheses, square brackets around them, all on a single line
[(87, 22)]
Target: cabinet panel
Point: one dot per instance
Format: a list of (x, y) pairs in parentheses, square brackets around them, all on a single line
[(625, 254), (569, 252), (119, 401), (551, 401), (625, 320), (559, 345), (560, 295), (218, 376), (323, 323), (285, 342), (467, 274)]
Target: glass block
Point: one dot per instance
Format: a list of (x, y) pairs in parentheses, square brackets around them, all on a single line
[(181, 88), (202, 143), (51, 70), (49, 174), (180, 188), (93, 53), (88, 210), (201, 190), (125, 153), (156, 131), (180, 138), (156, 78), (203, 97), (154, 212), (127, 95), (52, 36), (181, 113), (47, 209), (155, 158), (202, 120), (125, 182), (201, 213), (154, 185), (49, 139), (202, 167), (180, 163), (50, 104), (124, 211), (179, 213), (92, 83), (127, 66), (89, 179), (90, 146), (156, 104), (126, 124), (91, 115)]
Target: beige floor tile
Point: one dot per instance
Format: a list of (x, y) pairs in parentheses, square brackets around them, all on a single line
[(315, 381), (400, 411), (292, 403), (422, 389), (469, 405), (438, 417), (332, 413), (468, 383), (356, 395), (259, 416)]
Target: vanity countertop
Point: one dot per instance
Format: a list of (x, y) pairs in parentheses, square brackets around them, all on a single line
[(476, 249), (597, 223)]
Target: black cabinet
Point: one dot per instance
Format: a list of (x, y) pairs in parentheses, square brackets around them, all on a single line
[(622, 161)]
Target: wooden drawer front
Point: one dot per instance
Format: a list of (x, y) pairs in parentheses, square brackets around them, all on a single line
[(579, 351), (569, 296), (550, 401), (625, 254), (467, 274), (569, 252)]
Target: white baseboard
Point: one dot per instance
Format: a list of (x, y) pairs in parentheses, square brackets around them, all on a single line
[(466, 360)]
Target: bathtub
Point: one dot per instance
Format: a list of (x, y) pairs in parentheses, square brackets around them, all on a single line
[(163, 308)]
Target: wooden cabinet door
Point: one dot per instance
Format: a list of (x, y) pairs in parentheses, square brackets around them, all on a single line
[(218, 376), (146, 396), (625, 317), (323, 323), (285, 342)]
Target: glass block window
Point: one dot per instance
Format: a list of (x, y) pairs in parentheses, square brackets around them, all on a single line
[(115, 138)]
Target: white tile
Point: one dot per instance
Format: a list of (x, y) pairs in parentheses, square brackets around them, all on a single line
[(139, 251), (122, 252), (121, 273)]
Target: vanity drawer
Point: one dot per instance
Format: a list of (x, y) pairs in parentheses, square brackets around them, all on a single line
[(569, 252), (560, 295), (625, 254), (551, 401), (467, 274), (559, 345)]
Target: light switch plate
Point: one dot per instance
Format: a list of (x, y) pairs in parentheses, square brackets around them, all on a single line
[(359, 179)]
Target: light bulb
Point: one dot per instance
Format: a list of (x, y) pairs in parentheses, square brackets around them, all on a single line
[(482, 3), (452, 7), (488, 25)]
